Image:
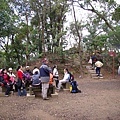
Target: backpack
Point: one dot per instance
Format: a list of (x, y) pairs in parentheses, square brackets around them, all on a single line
[(74, 88), (27, 76)]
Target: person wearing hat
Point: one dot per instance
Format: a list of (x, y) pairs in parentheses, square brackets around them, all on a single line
[(6, 81), (12, 79), (11, 74), (45, 77), (27, 77)]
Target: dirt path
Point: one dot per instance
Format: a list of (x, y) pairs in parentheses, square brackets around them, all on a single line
[(99, 100)]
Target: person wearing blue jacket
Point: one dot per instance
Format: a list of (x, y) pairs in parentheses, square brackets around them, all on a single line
[(45, 77), (36, 78)]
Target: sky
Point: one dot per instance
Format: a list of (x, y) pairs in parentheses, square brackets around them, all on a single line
[(117, 1), (80, 15)]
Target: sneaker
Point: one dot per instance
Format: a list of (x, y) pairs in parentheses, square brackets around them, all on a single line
[(45, 98), (57, 89), (6, 95)]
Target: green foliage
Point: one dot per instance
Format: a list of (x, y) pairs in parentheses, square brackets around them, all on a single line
[(40, 24), (29, 28), (114, 37), (116, 14)]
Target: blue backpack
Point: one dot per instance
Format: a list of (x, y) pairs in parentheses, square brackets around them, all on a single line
[(74, 87)]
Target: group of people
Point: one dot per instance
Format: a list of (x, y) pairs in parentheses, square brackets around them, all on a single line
[(43, 76), (97, 63)]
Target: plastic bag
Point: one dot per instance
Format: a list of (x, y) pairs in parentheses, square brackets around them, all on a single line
[(90, 61), (119, 70)]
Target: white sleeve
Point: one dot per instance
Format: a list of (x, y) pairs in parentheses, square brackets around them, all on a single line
[(66, 77)]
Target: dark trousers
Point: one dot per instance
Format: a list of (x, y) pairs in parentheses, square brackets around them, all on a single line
[(8, 89), (56, 83), (22, 90), (98, 71)]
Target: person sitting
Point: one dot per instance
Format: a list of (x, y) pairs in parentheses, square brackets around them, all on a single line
[(65, 79), (1, 78), (27, 77), (6, 82), (50, 90), (36, 69), (11, 74), (36, 79), (12, 78)]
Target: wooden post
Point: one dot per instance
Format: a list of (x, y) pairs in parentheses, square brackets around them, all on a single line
[(112, 54), (113, 66)]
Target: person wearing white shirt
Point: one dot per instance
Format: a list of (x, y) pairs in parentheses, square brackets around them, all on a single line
[(98, 65), (65, 78), (55, 75)]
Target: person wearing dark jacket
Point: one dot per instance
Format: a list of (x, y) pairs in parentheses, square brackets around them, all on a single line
[(45, 77)]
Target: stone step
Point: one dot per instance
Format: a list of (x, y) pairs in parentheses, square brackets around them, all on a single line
[(98, 77), (89, 67), (95, 75), (66, 89), (92, 71)]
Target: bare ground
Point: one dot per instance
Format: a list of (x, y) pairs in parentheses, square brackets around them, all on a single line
[(99, 100)]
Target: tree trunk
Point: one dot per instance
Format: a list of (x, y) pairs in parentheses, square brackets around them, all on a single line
[(79, 45), (43, 27)]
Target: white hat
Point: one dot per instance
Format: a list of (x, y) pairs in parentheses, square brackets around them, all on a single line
[(10, 69), (27, 66)]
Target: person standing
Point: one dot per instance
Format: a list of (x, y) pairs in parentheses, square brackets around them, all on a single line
[(45, 77), (98, 65), (20, 83), (55, 75), (94, 59)]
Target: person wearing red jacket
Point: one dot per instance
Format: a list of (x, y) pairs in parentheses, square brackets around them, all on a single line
[(6, 81), (20, 82)]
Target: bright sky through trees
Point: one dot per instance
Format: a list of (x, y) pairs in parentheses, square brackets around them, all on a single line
[(117, 1), (81, 16)]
